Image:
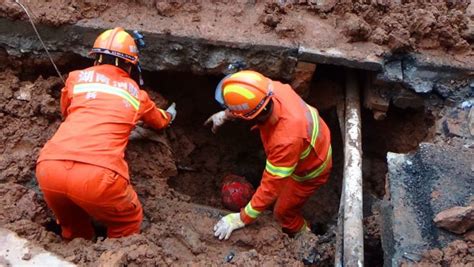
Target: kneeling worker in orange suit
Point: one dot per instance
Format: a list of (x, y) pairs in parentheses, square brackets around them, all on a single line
[(81, 170), (296, 140)]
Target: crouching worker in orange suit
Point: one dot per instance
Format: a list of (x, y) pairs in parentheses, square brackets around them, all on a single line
[(296, 141), (81, 170)]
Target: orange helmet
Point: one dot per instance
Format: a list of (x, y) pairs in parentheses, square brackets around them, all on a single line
[(118, 43), (244, 93)]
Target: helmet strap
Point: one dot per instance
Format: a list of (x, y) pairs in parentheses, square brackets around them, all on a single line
[(116, 62), (100, 59), (140, 78)]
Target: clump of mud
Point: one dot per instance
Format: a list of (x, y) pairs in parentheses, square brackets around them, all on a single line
[(53, 12), (405, 26), (456, 253)]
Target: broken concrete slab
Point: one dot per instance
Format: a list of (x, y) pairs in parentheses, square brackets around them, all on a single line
[(425, 74), (335, 56), (456, 219), (409, 208), (17, 251), (163, 51), (456, 123)]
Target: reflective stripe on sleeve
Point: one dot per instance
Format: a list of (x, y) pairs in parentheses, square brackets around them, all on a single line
[(107, 89), (251, 212), (315, 172), (163, 113), (315, 133), (279, 171)]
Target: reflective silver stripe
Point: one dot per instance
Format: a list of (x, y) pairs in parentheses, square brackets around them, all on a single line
[(314, 134), (315, 172), (107, 89)]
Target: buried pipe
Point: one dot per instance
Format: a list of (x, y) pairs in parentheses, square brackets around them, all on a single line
[(350, 249)]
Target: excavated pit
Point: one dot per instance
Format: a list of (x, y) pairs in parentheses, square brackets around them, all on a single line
[(184, 167)]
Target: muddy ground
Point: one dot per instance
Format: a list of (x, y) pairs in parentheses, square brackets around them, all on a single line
[(398, 26), (184, 166)]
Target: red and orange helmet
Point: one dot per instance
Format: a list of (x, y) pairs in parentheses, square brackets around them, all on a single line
[(116, 42), (244, 93)]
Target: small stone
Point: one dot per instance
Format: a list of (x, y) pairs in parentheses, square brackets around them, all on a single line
[(457, 219), (26, 257), (469, 236), (434, 255), (112, 258), (355, 28), (325, 5)]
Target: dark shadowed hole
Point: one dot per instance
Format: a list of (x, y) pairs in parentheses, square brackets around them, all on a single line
[(319, 228), (52, 226), (100, 229)]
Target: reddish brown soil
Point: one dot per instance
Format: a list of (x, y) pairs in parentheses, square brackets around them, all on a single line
[(456, 253), (406, 26), (363, 26), (174, 232)]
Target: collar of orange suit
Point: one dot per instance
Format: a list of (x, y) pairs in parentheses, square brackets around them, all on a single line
[(111, 68), (274, 117)]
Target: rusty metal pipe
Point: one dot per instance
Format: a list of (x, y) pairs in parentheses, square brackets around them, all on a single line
[(352, 229)]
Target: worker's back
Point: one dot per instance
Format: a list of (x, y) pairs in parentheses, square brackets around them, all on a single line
[(101, 105), (295, 125)]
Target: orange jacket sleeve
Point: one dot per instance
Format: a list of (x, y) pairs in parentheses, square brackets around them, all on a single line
[(151, 115), (66, 95), (281, 162)]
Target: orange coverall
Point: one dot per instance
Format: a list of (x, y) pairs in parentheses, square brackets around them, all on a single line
[(297, 143), (81, 170)]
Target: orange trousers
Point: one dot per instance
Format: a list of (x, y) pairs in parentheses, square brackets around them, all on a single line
[(289, 204), (78, 192)]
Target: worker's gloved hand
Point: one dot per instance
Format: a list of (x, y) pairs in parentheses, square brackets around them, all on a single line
[(218, 119), (227, 225), (172, 110)]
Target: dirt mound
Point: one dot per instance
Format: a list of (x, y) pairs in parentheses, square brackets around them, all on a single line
[(54, 12), (403, 26), (30, 114)]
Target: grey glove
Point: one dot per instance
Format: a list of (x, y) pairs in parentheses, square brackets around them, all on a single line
[(172, 110), (217, 120)]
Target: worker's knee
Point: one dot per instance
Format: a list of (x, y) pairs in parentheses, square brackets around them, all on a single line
[(280, 213), (126, 221)]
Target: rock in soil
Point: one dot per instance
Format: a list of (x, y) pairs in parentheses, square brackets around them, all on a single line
[(457, 219)]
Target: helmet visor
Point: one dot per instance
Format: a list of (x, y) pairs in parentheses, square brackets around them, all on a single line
[(218, 96)]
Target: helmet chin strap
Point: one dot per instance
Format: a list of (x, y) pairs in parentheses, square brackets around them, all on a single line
[(140, 42), (140, 79)]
